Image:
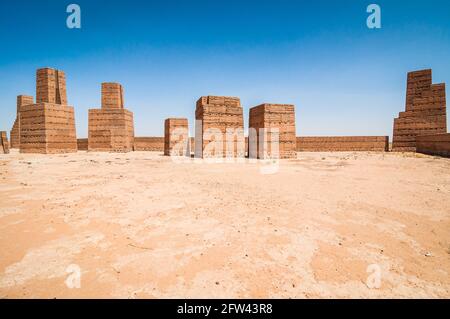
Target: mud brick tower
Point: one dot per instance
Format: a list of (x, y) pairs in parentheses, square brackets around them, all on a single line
[(425, 112), (176, 131), (15, 131), (111, 128), (49, 125), (4, 145), (272, 116), (215, 117)]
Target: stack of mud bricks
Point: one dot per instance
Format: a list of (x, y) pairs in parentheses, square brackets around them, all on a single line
[(15, 131), (49, 125), (219, 127), (111, 128), (4, 145), (425, 112), (342, 143), (151, 143), (82, 144), (438, 144), (272, 124), (176, 137)]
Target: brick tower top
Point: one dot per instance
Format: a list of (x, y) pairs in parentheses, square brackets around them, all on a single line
[(218, 100), (51, 86), (112, 96)]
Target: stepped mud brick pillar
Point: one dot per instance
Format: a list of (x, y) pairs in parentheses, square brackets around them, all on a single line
[(219, 127), (111, 128), (425, 111), (15, 131), (4, 145), (176, 137), (267, 117), (49, 125)]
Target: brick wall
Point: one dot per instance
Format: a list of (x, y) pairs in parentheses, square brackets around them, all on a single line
[(342, 143), (82, 144), (425, 111), (438, 144), (219, 113), (176, 130), (47, 128), (272, 116), (155, 144)]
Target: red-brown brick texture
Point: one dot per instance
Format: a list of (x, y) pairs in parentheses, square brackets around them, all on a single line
[(280, 117), (342, 143), (4, 145), (438, 144), (176, 134), (49, 125), (15, 131), (111, 128), (425, 112), (219, 115)]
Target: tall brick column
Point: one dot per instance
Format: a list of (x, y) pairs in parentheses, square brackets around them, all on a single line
[(266, 117), (219, 120), (51, 86), (49, 125), (425, 111), (176, 137), (111, 128)]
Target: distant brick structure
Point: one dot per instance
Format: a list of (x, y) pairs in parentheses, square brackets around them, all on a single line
[(425, 112), (4, 145), (49, 125), (151, 143), (215, 117), (342, 143), (438, 144), (82, 144), (176, 132), (111, 128), (15, 131), (280, 117)]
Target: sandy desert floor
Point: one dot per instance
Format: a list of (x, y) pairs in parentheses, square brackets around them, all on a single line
[(138, 225)]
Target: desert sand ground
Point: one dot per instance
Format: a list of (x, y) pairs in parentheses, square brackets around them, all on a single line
[(141, 226)]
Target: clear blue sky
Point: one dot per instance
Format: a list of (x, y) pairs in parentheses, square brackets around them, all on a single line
[(344, 78)]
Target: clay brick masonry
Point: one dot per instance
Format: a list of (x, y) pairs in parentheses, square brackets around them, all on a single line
[(49, 125), (266, 117), (15, 131), (342, 143), (4, 145), (111, 128), (219, 127), (176, 137), (425, 112), (438, 144)]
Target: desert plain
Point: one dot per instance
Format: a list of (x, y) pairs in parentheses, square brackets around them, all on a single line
[(139, 225)]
